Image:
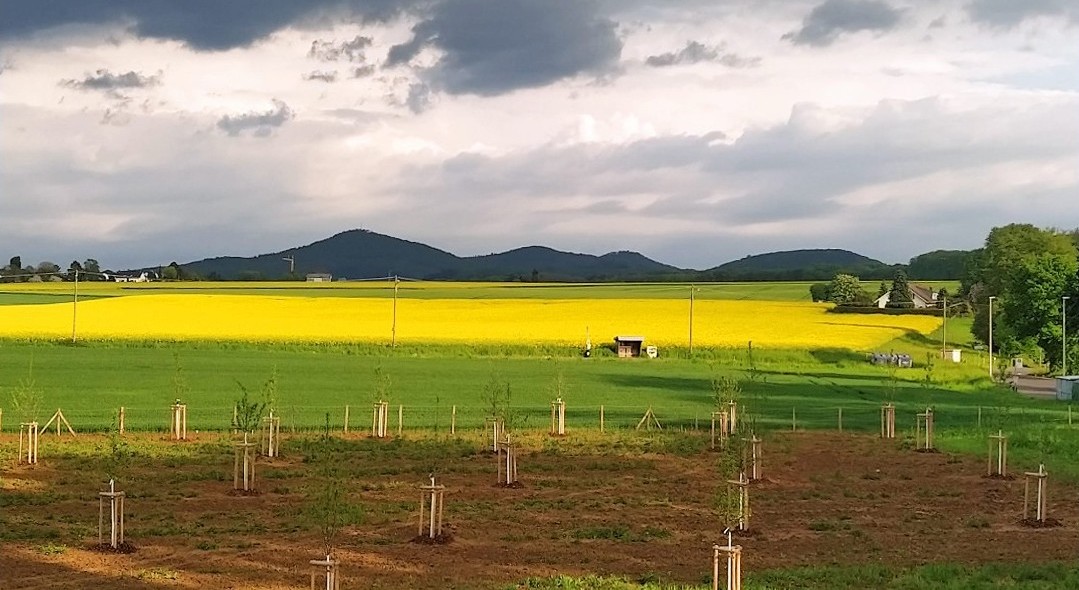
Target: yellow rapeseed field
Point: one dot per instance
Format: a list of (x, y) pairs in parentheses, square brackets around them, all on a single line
[(663, 322)]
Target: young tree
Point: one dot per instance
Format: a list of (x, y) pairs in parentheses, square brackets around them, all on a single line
[(248, 411)]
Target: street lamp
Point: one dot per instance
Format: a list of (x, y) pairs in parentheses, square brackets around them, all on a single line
[(1064, 335), (991, 298)]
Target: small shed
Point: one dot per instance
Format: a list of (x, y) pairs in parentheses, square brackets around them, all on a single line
[(628, 346), (1066, 387), (319, 277)]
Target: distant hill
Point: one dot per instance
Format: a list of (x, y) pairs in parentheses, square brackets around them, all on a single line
[(357, 254), (799, 265), (365, 254)]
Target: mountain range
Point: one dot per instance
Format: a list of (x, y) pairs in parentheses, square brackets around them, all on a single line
[(359, 254)]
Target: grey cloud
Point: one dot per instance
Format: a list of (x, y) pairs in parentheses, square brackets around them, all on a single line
[(106, 80), (490, 48), (419, 98), (696, 52), (363, 71), (833, 18), (262, 123), (1009, 13), (202, 24), (352, 51), (321, 76)]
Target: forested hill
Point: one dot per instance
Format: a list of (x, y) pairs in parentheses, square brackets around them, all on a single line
[(794, 265), (357, 254)]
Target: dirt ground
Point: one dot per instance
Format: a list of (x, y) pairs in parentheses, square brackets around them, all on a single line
[(826, 499)]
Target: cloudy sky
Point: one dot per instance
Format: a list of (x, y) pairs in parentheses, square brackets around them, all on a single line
[(139, 132)]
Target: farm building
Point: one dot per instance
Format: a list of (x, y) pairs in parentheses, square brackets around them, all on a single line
[(319, 277), (628, 346), (921, 295)]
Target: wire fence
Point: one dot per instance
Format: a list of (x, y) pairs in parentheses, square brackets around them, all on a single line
[(445, 418)]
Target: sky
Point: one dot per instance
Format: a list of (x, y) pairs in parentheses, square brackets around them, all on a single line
[(140, 132)]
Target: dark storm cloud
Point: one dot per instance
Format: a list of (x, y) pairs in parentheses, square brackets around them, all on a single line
[(833, 18), (106, 81), (202, 24), (262, 123), (363, 71), (1008, 13), (696, 52), (490, 48), (336, 51), (320, 76)]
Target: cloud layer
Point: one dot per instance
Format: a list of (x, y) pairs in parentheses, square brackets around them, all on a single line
[(139, 133)]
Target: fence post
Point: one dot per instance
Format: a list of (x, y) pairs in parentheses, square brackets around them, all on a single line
[(453, 420), (346, 419), (841, 419), (400, 419), (120, 421), (601, 418)]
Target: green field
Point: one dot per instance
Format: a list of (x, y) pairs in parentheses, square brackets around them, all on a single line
[(760, 291)]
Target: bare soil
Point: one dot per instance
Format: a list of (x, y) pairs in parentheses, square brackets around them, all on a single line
[(826, 499)]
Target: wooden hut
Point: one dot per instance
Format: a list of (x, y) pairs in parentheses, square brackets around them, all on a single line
[(628, 346)]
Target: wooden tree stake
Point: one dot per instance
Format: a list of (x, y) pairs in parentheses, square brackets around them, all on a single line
[(116, 516), (327, 569), (28, 431), (998, 468), (179, 421)]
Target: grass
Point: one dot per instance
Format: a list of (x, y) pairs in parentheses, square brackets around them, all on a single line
[(783, 388)]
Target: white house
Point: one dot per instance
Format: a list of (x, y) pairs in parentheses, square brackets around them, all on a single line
[(921, 295)]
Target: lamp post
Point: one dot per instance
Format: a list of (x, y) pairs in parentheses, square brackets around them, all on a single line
[(1064, 335), (991, 298)]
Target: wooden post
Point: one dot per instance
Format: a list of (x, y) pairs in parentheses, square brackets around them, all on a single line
[(742, 485), (506, 463), (120, 421), (58, 419), (753, 456), (400, 419), (243, 467), (116, 516), (433, 496), (380, 418), (723, 429), (179, 421), (29, 431), (1039, 478), (794, 419), (327, 568), (346, 419), (732, 413), (924, 423), (734, 566), (841, 419), (1001, 462), (270, 436), (1, 419), (558, 417), (979, 416), (498, 427), (453, 420), (601, 419), (887, 421)]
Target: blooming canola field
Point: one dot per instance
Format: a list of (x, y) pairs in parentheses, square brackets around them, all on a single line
[(264, 318)]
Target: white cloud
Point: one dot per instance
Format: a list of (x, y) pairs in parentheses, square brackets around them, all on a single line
[(944, 122)]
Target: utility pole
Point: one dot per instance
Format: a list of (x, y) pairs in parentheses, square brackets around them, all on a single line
[(991, 298), (1064, 335), (691, 290), (393, 330), (75, 306), (291, 260)]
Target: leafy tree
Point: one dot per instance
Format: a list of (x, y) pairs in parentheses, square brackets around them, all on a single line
[(496, 394), (92, 266), (1033, 310), (171, 272), (27, 398), (73, 270), (47, 267), (819, 292), (15, 264), (844, 289), (899, 295)]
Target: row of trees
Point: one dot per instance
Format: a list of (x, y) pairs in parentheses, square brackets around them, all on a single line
[(847, 290), (87, 270)]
